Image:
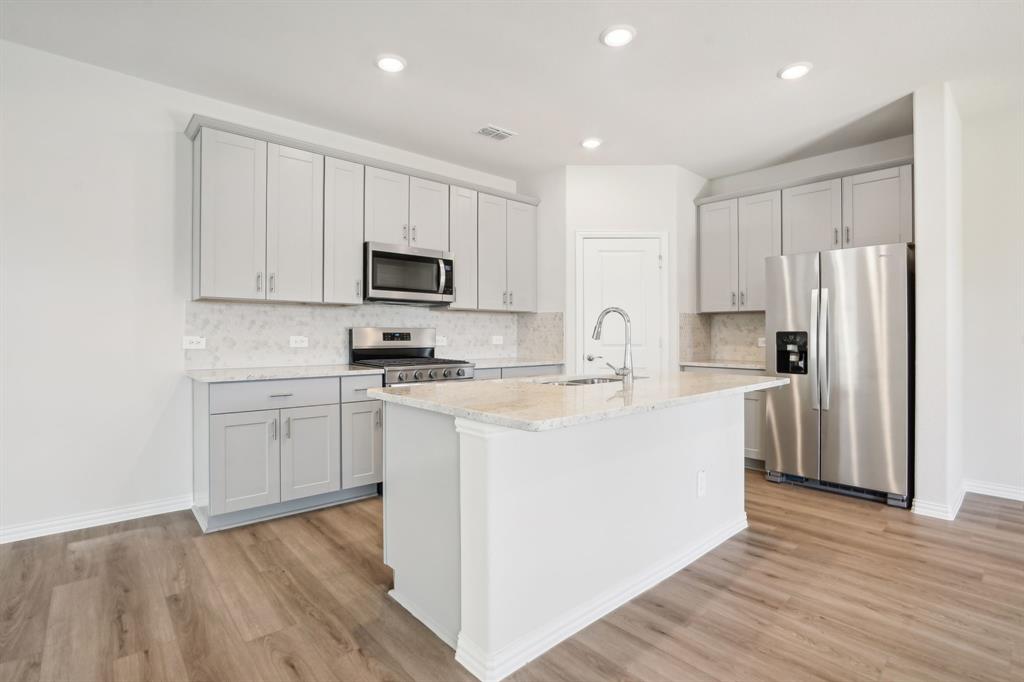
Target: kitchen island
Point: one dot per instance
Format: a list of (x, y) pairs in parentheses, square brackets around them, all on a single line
[(516, 512)]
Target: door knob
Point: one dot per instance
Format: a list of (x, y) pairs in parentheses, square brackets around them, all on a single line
[(591, 357)]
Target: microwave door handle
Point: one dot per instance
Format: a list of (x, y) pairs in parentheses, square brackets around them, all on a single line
[(443, 278)]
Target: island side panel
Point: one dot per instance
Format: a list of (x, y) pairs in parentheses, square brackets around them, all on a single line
[(421, 515), (560, 527)]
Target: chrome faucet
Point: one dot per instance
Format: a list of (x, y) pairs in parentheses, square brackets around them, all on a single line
[(626, 371)]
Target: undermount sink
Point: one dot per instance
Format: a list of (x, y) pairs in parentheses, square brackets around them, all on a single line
[(584, 381)]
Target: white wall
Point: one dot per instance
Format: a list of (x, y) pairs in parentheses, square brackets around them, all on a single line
[(95, 212), (877, 154), (993, 205), (939, 312), (632, 199)]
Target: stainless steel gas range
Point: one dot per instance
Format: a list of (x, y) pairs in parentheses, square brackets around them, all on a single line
[(405, 354)]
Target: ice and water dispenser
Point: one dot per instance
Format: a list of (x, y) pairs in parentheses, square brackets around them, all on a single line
[(791, 352)]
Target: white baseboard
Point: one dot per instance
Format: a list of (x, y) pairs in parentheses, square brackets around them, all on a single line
[(62, 524), (938, 510), (1008, 492), (445, 636), (500, 664)]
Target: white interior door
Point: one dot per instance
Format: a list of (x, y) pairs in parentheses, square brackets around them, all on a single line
[(624, 273)]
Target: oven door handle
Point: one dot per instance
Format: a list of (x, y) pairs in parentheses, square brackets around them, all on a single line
[(444, 275)]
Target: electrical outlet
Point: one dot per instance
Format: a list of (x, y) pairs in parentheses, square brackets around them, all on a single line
[(193, 342), (760, 342), (497, 340), (441, 341), (702, 483), (298, 341)]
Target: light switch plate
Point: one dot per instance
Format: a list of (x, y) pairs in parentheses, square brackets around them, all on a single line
[(298, 341), (441, 341), (193, 342), (497, 340), (760, 342)]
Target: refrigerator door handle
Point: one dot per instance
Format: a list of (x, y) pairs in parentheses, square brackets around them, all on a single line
[(826, 369), (812, 353)]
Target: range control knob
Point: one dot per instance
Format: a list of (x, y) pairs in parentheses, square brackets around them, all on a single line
[(433, 374), (447, 373), (401, 376), (461, 373), (417, 375)]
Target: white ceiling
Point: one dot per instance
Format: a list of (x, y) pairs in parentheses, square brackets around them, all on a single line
[(697, 87)]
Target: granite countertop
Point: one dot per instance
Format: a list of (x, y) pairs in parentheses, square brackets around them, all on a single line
[(214, 376), (537, 405), (497, 363), (724, 364)]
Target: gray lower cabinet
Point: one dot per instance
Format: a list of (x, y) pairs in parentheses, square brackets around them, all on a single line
[(310, 451), (362, 451), (244, 461)]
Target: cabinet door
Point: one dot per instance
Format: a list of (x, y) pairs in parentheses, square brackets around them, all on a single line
[(718, 260), (310, 451), (760, 236), (295, 225), (522, 257), (387, 207), (878, 208), (428, 214), (343, 231), (362, 438), (492, 250), (245, 460), (812, 217), (463, 246), (753, 424), (232, 216)]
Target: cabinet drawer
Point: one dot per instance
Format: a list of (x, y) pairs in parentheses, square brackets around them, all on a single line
[(487, 373), (536, 371), (353, 389), (245, 396)]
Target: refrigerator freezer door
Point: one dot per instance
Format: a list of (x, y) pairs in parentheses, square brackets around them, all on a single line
[(864, 368), (792, 411)]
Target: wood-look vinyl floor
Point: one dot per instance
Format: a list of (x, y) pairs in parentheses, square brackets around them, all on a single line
[(819, 587)]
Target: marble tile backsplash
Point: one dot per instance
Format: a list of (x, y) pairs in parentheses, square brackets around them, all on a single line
[(721, 336), (540, 335), (257, 334)]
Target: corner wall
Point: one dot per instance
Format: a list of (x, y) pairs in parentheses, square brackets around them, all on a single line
[(939, 314)]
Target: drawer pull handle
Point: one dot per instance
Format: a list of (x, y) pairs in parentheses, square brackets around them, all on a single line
[(281, 395)]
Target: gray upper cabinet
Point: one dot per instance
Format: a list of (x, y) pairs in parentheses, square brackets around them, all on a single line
[(492, 283), (719, 234), (310, 451), (878, 207), (760, 236), (244, 460), (463, 217), (295, 225), (387, 206), (812, 217), (428, 214), (230, 220), (362, 450), (522, 257), (343, 231)]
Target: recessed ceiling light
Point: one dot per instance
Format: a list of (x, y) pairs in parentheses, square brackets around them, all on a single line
[(795, 70), (591, 143), (618, 36), (391, 63)]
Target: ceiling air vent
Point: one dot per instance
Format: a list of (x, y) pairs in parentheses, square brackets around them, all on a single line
[(495, 133)]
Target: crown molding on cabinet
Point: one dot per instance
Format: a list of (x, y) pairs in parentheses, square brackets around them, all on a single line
[(198, 121), (794, 182)]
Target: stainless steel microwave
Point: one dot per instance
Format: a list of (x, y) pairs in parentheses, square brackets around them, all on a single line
[(406, 274)]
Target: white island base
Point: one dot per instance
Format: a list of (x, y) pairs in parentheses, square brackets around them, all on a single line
[(505, 541)]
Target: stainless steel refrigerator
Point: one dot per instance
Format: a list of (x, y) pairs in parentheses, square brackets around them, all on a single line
[(839, 325)]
